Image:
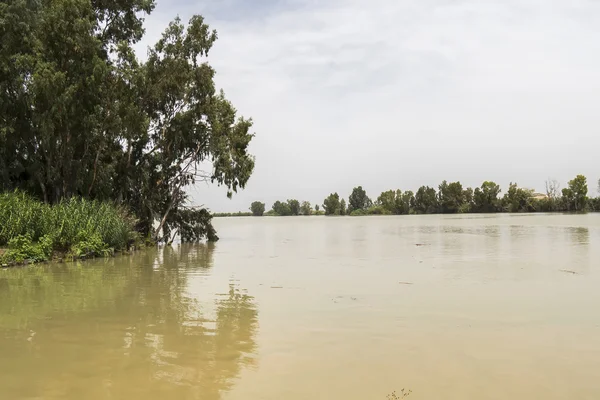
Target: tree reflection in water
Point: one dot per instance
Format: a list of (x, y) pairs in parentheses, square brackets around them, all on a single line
[(144, 335)]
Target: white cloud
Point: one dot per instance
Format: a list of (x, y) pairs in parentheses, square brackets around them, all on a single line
[(394, 94)]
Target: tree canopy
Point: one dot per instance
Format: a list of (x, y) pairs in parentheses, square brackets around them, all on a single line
[(306, 208), (575, 194), (425, 201), (80, 115), (257, 208), (281, 208), (358, 200), (451, 197), (454, 198), (331, 205), (486, 198)]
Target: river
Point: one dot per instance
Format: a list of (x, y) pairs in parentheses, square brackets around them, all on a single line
[(450, 307)]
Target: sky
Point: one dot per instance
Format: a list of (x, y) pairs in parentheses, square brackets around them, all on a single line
[(395, 94)]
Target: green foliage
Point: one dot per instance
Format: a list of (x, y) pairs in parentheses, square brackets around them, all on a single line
[(395, 202), (343, 208), (407, 201), (257, 208), (192, 225), (468, 204), (426, 201), (388, 201), (90, 244), (451, 197), (305, 208), (485, 199), (33, 230), (358, 213), (575, 195), (294, 206), (377, 210), (594, 204), (332, 205), (80, 115), (517, 199), (67, 219), (20, 215), (282, 209), (233, 214), (21, 248), (359, 200)]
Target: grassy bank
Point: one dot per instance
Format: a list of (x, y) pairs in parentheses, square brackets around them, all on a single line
[(33, 231), (234, 214)]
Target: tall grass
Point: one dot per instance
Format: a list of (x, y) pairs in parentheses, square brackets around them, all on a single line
[(19, 215), (73, 224)]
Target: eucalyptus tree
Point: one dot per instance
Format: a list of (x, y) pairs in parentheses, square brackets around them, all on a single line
[(80, 115)]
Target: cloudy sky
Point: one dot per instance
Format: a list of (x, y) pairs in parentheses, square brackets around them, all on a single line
[(394, 94)]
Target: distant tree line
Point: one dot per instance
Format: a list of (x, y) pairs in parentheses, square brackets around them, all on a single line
[(449, 198), (287, 208)]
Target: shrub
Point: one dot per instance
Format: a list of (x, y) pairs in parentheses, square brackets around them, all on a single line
[(33, 230), (378, 210), (21, 248), (357, 213)]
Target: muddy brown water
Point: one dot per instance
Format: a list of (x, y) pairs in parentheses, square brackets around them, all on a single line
[(451, 307)]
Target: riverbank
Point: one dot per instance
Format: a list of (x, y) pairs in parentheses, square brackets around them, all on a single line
[(270, 213), (32, 231)]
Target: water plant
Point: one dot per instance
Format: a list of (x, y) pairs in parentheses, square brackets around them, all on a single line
[(32, 230)]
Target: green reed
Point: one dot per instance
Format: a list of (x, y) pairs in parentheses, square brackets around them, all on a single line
[(71, 225)]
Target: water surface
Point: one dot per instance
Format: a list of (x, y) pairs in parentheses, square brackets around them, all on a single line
[(452, 307)]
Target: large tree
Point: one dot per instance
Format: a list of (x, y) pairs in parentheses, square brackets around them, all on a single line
[(426, 201), (257, 208), (80, 115), (486, 198), (305, 208), (407, 200), (388, 201), (451, 197), (294, 206), (282, 209), (358, 200), (331, 205), (575, 195), (517, 199), (343, 210)]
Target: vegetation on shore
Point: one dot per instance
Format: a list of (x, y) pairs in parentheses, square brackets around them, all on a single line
[(450, 198), (233, 214), (82, 117), (34, 231)]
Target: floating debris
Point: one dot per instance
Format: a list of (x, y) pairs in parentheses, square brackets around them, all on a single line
[(405, 283), (568, 271), (276, 287), (420, 244)]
